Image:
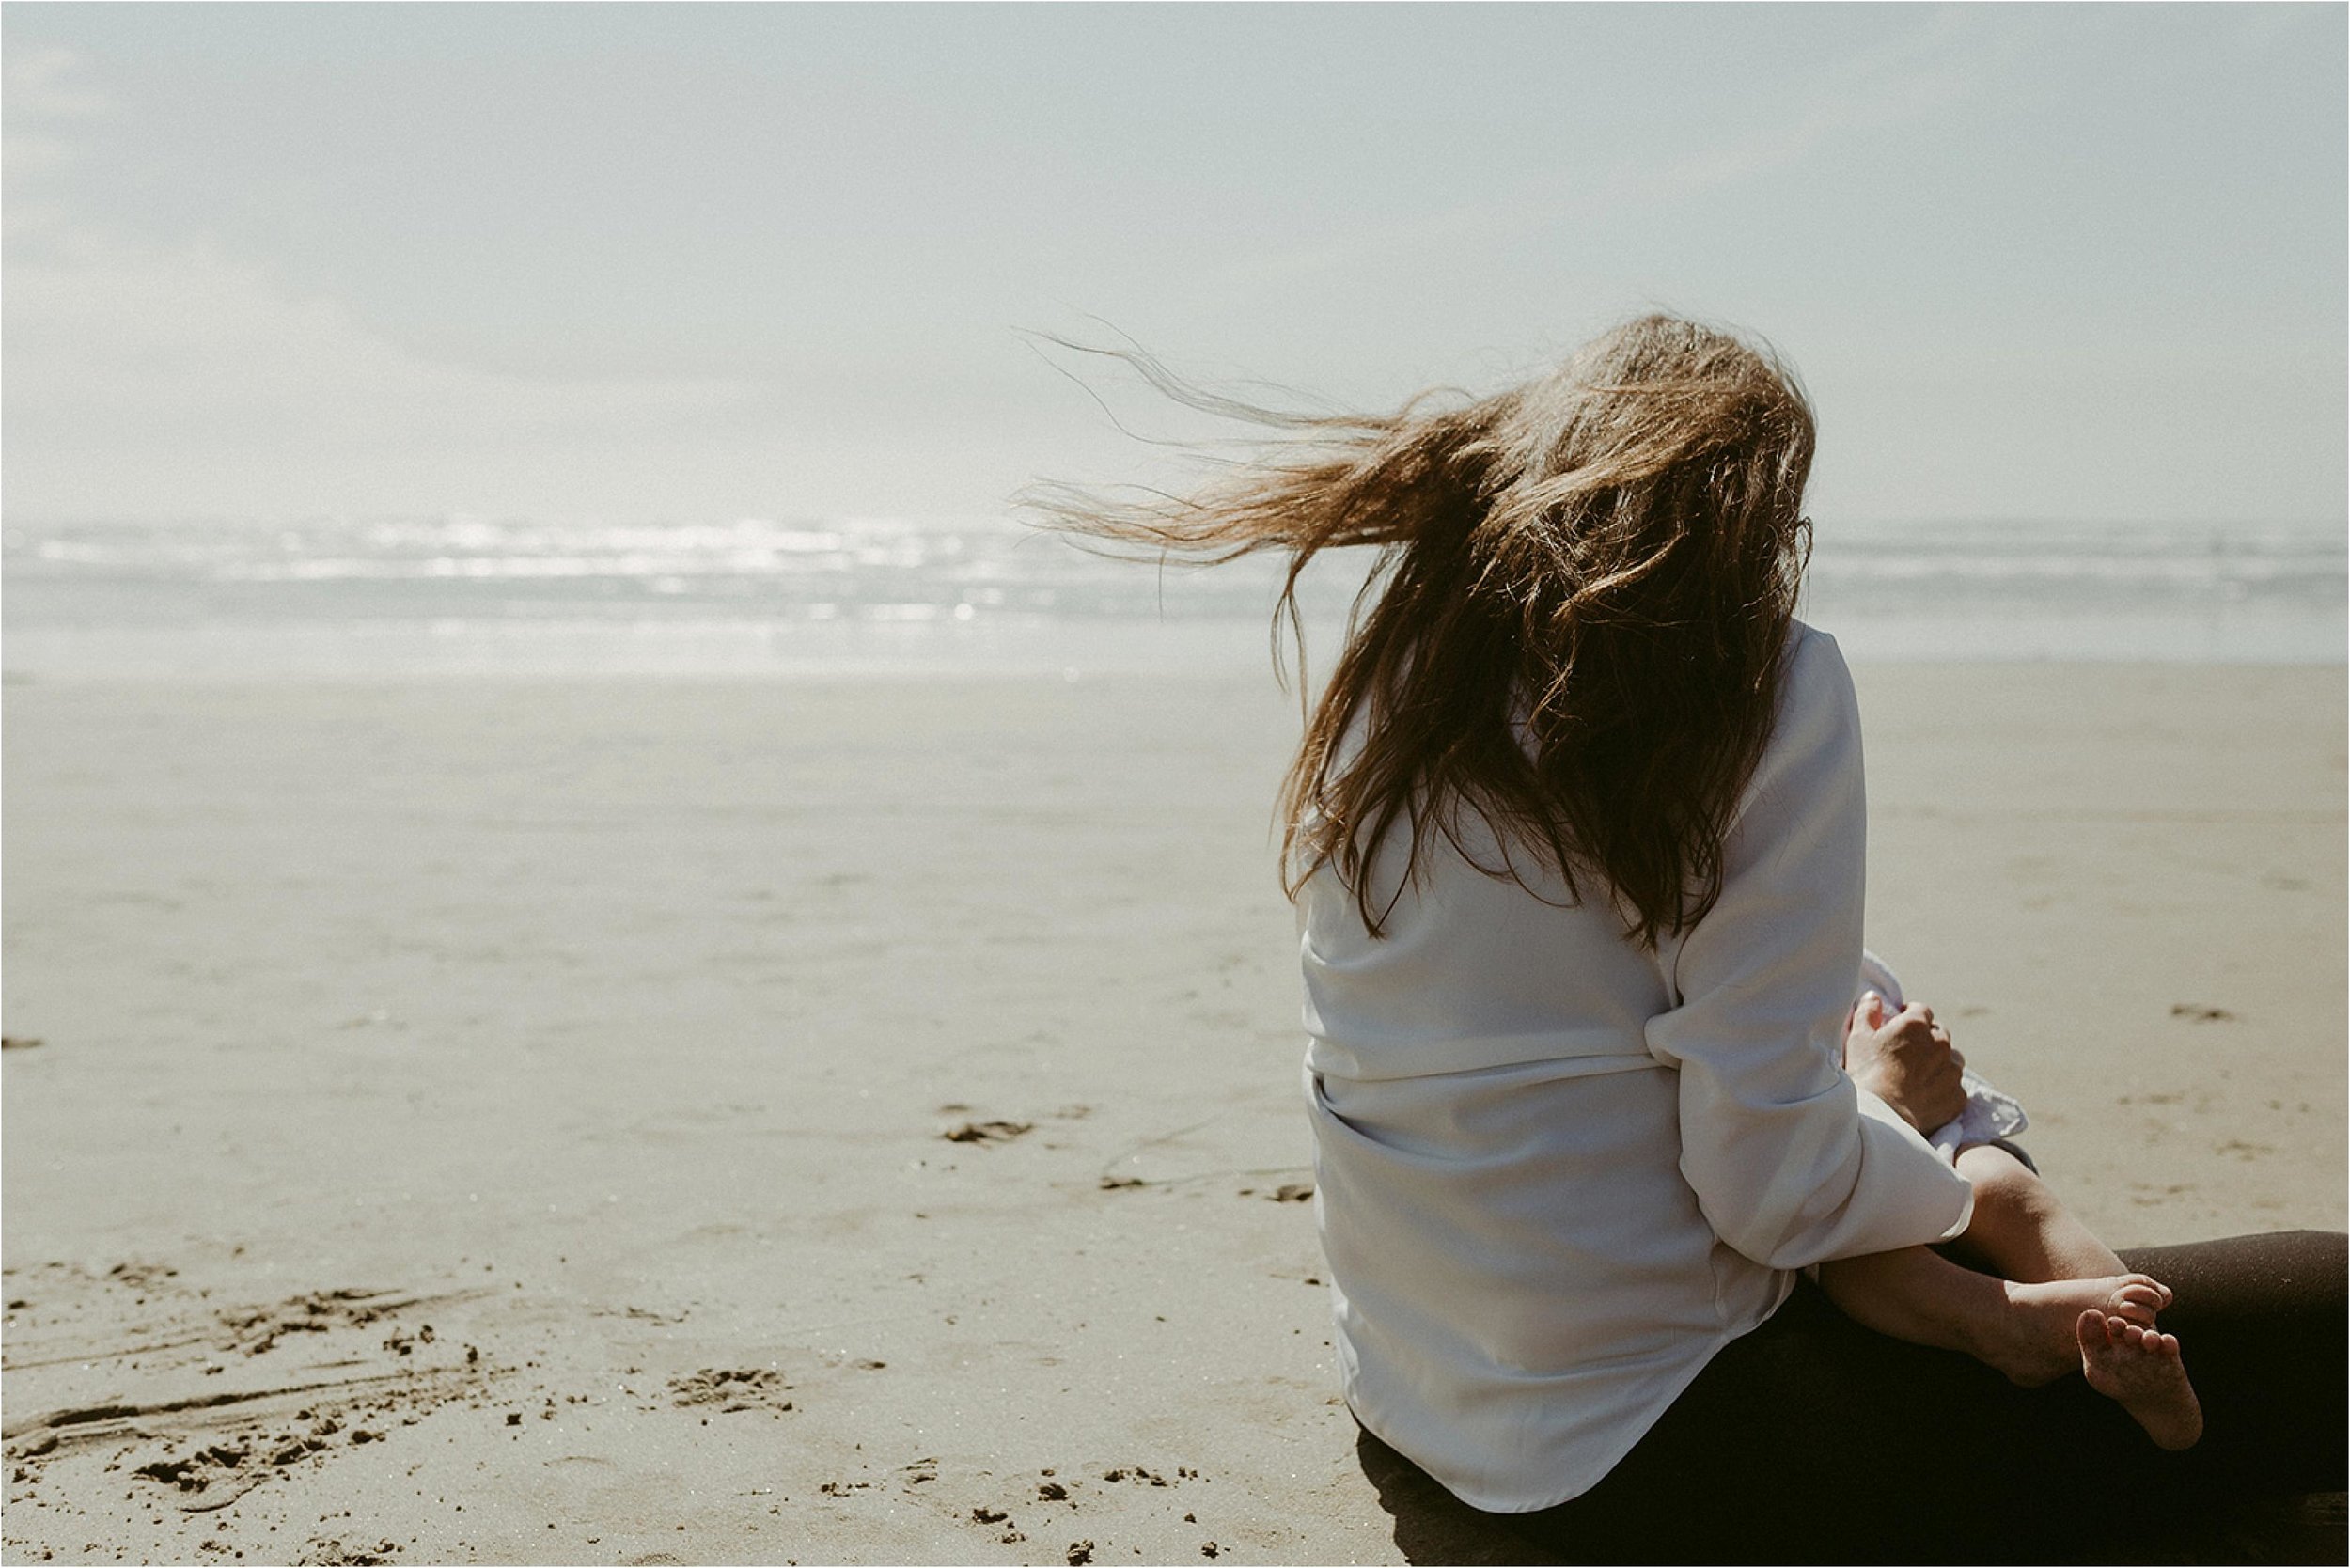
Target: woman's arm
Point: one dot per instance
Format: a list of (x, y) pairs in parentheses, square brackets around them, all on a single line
[(1791, 1163)]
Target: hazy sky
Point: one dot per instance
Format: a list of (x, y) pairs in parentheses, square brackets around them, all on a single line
[(686, 262)]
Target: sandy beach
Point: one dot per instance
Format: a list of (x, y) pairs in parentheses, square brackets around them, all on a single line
[(858, 1123)]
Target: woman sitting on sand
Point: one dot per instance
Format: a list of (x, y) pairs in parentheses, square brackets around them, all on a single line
[(1575, 835)]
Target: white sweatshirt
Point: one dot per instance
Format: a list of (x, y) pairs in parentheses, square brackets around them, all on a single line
[(1556, 1172)]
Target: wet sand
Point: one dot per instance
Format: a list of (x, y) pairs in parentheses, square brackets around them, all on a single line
[(650, 1122)]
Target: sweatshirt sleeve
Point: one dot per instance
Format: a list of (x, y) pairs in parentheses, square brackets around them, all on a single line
[(1792, 1164)]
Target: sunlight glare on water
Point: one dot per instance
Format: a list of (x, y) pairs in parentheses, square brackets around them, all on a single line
[(870, 595)]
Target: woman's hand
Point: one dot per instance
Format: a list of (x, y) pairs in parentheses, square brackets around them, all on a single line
[(1906, 1061)]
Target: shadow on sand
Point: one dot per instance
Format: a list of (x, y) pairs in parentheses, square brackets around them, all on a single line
[(1430, 1524)]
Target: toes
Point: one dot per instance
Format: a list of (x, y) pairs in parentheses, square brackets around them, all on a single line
[(2137, 1301), (2090, 1329)]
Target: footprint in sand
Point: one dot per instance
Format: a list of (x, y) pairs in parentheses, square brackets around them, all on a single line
[(732, 1389), (986, 1132)]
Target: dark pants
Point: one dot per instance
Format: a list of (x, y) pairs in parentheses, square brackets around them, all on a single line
[(1813, 1439)]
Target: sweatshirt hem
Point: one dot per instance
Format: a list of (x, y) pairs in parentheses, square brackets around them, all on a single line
[(1632, 1428)]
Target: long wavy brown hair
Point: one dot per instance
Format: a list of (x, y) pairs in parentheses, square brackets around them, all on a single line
[(1574, 625)]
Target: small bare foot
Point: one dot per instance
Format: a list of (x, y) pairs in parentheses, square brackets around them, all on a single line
[(2139, 1370), (2137, 1297), (2039, 1345)]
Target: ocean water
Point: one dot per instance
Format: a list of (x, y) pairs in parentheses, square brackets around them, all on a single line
[(454, 596)]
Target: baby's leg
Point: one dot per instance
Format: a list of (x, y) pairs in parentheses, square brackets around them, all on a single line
[(2058, 1273), (2020, 1231), (2025, 1331)]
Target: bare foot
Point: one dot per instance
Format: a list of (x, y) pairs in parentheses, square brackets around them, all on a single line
[(2140, 1370), (2037, 1342)]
